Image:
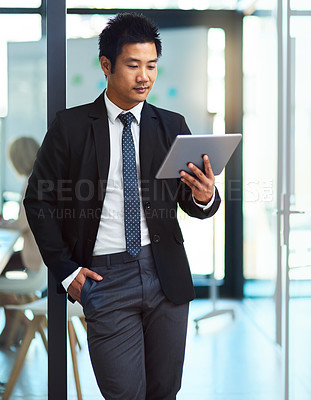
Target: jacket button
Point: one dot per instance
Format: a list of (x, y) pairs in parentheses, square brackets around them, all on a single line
[(147, 205), (156, 238)]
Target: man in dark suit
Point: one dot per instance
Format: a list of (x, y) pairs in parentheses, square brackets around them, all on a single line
[(112, 240)]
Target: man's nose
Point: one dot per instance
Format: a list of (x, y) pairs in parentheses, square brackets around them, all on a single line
[(142, 76)]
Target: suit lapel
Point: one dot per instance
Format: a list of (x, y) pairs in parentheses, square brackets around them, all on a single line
[(102, 141), (148, 134)]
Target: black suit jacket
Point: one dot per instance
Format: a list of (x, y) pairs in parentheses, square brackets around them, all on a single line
[(66, 191)]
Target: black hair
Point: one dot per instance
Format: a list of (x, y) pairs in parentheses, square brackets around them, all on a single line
[(127, 28)]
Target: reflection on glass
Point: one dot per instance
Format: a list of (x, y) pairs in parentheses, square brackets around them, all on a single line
[(122, 4), (156, 4), (216, 105), (14, 28), (265, 4), (260, 148), (216, 78), (175, 4), (300, 5), (20, 3), (85, 79), (85, 26), (20, 27), (3, 79), (300, 224), (23, 102)]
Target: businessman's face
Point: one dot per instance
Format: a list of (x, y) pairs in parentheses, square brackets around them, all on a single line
[(133, 76)]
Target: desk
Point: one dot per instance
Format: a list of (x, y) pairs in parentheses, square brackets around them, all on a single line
[(8, 238)]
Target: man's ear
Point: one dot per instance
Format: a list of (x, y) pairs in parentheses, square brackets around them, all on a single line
[(105, 65)]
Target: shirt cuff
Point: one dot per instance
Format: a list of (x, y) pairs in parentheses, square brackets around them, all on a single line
[(208, 205), (66, 282)]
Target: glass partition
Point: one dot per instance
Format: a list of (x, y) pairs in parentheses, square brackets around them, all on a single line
[(302, 5), (300, 206), (260, 155), (155, 4), (300, 225), (20, 3), (260, 161), (22, 114), (23, 94)]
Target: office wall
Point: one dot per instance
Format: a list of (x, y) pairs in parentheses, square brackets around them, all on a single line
[(181, 84), (26, 102)]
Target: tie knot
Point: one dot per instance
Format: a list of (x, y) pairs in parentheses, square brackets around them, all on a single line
[(126, 119)]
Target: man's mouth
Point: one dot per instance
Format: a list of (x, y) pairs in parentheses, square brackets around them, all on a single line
[(141, 89)]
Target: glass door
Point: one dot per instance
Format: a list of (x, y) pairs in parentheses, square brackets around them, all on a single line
[(299, 243), (300, 220), (23, 120), (22, 96), (260, 165)]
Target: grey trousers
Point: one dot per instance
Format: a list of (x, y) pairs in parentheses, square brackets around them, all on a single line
[(136, 337)]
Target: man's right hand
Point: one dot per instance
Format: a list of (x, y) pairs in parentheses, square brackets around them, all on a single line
[(74, 289)]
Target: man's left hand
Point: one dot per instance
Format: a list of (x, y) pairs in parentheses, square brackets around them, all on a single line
[(202, 184)]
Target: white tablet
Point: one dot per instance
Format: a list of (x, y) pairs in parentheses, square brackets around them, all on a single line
[(191, 148)]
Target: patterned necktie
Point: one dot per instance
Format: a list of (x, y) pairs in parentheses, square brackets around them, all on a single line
[(131, 192)]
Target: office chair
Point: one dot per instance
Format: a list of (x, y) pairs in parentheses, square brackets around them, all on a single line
[(39, 309), (28, 289)]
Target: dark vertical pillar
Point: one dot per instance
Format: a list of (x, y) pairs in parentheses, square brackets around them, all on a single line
[(56, 92), (43, 18), (233, 286)]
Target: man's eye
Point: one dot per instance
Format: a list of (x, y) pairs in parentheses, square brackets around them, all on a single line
[(151, 67), (132, 66)]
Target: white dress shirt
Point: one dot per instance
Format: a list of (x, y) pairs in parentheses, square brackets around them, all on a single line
[(111, 233)]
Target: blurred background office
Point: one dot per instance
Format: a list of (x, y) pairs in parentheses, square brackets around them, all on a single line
[(244, 66), (24, 263)]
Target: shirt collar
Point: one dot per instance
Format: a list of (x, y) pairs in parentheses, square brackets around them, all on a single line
[(113, 110)]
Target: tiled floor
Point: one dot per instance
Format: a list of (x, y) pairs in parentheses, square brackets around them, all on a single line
[(230, 359), (225, 360)]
